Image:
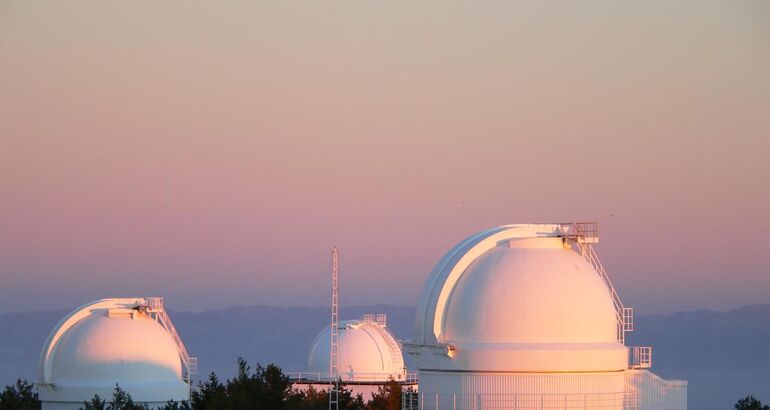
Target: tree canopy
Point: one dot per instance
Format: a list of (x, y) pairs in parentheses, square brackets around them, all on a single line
[(750, 403), (265, 388), (21, 396)]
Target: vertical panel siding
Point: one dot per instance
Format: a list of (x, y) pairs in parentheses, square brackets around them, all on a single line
[(656, 393), (523, 391)]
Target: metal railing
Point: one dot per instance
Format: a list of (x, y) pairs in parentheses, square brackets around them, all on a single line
[(380, 318), (411, 377), (411, 400), (588, 232), (396, 356), (155, 308), (309, 377), (640, 357), (628, 319), (585, 234)]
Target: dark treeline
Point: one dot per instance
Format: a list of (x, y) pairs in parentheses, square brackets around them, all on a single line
[(21, 396), (750, 403), (265, 388)]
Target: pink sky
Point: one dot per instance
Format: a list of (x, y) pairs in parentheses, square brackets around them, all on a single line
[(213, 154)]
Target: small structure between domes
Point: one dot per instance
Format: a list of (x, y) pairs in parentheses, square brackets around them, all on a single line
[(360, 353)]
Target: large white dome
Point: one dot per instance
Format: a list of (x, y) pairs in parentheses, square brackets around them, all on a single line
[(518, 298), (525, 316), (366, 352), (529, 291), (109, 342)]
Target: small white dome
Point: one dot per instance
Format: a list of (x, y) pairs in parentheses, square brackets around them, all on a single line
[(109, 342), (366, 352)]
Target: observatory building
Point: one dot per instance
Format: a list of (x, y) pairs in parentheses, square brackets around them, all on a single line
[(525, 317), (362, 354), (130, 342), (367, 356)]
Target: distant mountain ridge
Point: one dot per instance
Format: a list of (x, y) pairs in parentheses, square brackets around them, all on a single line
[(723, 355)]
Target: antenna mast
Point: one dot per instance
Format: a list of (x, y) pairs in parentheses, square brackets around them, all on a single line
[(334, 403)]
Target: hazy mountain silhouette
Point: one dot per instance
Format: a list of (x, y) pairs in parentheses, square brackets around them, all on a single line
[(724, 355)]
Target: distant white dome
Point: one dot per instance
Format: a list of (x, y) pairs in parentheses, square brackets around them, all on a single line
[(367, 351), (109, 342)]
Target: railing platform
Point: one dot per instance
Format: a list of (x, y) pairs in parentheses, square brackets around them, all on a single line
[(411, 400), (154, 306), (322, 377), (585, 235), (640, 357)]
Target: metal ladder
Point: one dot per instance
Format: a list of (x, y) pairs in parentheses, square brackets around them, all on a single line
[(585, 234), (381, 320), (395, 351), (156, 309), (334, 400)]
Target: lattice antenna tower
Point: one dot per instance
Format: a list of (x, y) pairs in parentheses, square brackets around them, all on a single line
[(334, 402)]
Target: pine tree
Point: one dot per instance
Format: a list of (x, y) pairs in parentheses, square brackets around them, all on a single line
[(210, 395), (96, 404), (21, 396), (121, 400), (750, 403), (387, 397)]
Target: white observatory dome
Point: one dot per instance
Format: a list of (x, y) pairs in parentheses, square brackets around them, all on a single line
[(367, 351), (529, 291), (525, 316), (519, 298), (109, 342)]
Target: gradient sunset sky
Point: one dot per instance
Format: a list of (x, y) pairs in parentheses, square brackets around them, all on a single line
[(214, 153)]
